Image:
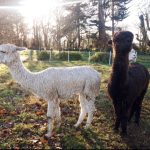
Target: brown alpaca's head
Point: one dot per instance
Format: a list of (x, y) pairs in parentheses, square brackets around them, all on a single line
[(122, 42)]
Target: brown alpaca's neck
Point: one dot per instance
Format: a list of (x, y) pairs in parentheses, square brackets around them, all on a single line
[(120, 69)]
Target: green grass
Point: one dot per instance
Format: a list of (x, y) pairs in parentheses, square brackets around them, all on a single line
[(145, 60), (23, 117)]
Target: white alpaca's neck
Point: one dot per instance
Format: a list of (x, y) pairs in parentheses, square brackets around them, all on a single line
[(21, 74)]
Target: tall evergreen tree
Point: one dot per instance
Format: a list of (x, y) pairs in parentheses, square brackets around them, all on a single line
[(75, 22), (115, 10), (119, 11), (98, 19)]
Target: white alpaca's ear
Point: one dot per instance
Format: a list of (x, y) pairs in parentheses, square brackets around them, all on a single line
[(20, 48)]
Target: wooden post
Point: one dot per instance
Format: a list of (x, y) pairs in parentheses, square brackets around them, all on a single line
[(50, 55), (68, 56), (110, 58), (89, 56), (30, 55)]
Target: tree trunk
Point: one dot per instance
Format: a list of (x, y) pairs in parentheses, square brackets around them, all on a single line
[(147, 21), (145, 40), (101, 27), (78, 34), (112, 16)]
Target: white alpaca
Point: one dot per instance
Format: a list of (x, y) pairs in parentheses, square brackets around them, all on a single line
[(132, 55), (53, 84)]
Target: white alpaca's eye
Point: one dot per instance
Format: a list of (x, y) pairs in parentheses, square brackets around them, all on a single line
[(2, 52)]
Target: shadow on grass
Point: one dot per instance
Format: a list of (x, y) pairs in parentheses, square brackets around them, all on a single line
[(92, 139), (72, 142), (138, 136)]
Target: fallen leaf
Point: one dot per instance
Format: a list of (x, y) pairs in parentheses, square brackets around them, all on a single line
[(13, 113), (2, 112), (43, 140), (36, 126), (5, 133), (16, 148), (58, 147), (39, 113), (34, 141)]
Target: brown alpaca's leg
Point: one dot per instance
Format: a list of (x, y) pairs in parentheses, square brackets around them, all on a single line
[(117, 108), (138, 107), (124, 117), (124, 125), (117, 123), (131, 112), (137, 115)]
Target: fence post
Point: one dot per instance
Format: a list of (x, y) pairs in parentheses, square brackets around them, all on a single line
[(110, 58), (50, 55), (89, 56), (30, 55), (68, 56)]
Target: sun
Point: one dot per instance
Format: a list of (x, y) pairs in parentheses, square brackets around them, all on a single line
[(38, 8)]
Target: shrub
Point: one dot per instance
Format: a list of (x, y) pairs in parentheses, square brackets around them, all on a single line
[(100, 57), (72, 56), (43, 55)]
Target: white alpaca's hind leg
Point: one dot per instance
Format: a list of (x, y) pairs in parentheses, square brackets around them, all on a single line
[(91, 109), (58, 116), (50, 116), (83, 110)]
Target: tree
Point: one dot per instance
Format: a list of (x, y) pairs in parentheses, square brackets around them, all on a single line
[(46, 32), (75, 23), (37, 35), (144, 41), (57, 32), (12, 27), (20, 29), (119, 11), (98, 19), (114, 10), (144, 27)]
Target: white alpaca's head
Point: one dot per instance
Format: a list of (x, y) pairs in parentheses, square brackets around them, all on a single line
[(132, 55), (9, 54)]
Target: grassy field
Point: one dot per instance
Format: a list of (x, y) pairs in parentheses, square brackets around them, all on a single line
[(23, 117)]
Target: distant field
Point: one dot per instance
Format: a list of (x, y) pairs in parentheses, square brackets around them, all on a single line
[(23, 117)]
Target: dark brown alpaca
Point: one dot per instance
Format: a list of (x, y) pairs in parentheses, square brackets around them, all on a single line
[(127, 84)]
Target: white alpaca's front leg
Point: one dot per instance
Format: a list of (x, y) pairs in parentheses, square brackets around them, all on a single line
[(50, 116)]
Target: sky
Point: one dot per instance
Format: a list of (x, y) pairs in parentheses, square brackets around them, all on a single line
[(132, 22), (136, 7)]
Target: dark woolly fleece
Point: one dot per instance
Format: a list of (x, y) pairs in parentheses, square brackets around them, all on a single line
[(127, 84)]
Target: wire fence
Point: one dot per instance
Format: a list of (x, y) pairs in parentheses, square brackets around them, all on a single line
[(48, 55), (86, 56)]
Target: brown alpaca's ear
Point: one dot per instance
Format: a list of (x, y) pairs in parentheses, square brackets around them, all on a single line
[(110, 42)]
